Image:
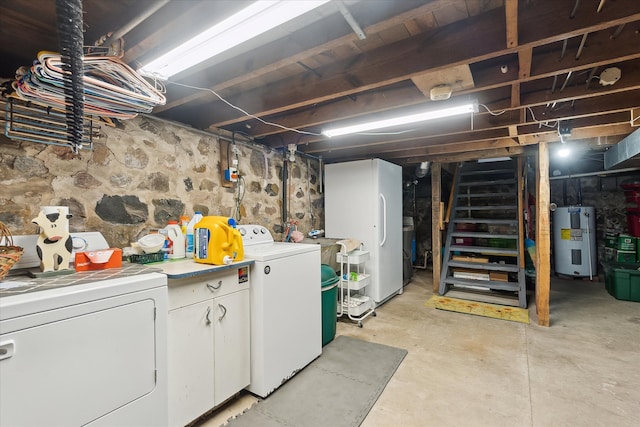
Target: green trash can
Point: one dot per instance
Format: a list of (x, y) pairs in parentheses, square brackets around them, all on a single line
[(329, 303)]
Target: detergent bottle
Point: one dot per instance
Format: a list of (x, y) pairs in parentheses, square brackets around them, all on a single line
[(177, 246), (217, 241), (190, 229)]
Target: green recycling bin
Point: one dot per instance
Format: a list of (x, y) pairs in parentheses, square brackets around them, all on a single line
[(329, 303)]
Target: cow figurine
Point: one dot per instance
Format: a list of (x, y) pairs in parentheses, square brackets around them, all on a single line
[(54, 244)]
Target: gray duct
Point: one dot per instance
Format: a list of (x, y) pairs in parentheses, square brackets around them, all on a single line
[(422, 169)]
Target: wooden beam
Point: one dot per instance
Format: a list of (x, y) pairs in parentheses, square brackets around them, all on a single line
[(592, 103), (485, 79), (464, 157), (525, 56), (511, 12), (543, 235), (306, 44), (448, 47), (515, 95), (436, 236)]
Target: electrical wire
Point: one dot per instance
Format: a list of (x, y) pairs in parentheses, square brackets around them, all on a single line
[(533, 116), (268, 123), (492, 112), (240, 190)]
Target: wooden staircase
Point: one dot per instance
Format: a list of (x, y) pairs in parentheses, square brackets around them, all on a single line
[(483, 257)]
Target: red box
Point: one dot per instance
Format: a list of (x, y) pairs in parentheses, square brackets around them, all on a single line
[(632, 197), (83, 260), (633, 221)]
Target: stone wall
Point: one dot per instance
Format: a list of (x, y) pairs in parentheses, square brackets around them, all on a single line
[(147, 171)]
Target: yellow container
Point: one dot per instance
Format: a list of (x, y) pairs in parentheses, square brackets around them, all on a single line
[(217, 241)]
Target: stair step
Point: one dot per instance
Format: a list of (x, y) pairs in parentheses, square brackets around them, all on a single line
[(484, 250), (486, 172), (512, 268), (487, 284), (488, 182), (487, 208), (486, 221), (484, 195), (483, 296), (483, 235)]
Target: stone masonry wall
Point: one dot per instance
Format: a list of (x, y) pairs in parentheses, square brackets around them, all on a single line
[(147, 171)]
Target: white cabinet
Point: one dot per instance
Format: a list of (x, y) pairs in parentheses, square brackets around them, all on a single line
[(209, 342), (353, 280)]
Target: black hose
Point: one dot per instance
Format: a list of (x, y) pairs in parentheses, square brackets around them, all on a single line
[(70, 43)]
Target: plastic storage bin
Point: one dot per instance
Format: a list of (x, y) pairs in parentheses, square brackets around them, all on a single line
[(329, 299), (622, 281)]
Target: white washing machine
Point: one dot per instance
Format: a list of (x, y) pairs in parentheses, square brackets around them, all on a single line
[(286, 307), (87, 348)]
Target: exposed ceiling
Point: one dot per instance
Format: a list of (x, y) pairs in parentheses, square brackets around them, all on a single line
[(528, 63)]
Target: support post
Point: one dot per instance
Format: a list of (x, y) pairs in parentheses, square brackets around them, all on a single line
[(543, 235), (436, 236)]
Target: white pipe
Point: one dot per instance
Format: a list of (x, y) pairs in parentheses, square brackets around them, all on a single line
[(602, 173), (589, 246)]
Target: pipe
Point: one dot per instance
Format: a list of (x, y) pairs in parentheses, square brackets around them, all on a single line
[(426, 258), (285, 172), (602, 173), (320, 175), (579, 192), (566, 80), (575, 9), (137, 20), (582, 43)]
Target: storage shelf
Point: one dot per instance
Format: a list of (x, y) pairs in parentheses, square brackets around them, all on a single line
[(354, 285), (357, 310), (353, 257)]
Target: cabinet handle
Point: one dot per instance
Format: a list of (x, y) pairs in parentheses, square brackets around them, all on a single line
[(7, 349), (224, 312), (207, 315), (213, 288)]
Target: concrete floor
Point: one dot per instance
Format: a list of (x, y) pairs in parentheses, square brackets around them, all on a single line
[(465, 370)]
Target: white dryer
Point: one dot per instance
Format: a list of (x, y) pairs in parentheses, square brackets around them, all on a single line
[(286, 307), (86, 348)]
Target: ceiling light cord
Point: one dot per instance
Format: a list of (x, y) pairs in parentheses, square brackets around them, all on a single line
[(245, 112)]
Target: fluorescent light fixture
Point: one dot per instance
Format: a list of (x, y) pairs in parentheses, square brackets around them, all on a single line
[(494, 159), (252, 21), (403, 120)]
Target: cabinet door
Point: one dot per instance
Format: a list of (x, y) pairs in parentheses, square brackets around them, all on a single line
[(232, 344), (191, 391)]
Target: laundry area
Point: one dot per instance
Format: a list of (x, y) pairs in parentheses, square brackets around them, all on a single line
[(320, 212)]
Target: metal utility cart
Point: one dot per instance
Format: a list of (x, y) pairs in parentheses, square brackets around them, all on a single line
[(353, 280)]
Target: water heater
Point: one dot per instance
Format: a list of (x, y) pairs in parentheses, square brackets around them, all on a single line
[(574, 238)]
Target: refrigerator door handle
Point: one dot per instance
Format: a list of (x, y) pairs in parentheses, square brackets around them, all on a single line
[(384, 219)]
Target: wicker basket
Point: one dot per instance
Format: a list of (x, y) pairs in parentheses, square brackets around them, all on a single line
[(9, 254)]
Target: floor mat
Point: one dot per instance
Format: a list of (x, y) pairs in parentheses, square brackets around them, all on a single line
[(337, 389), (514, 314)]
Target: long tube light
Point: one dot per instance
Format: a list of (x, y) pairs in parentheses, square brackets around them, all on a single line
[(252, 21), (403, 120)]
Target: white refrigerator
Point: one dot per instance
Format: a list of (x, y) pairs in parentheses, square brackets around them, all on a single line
[(363, 201)]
